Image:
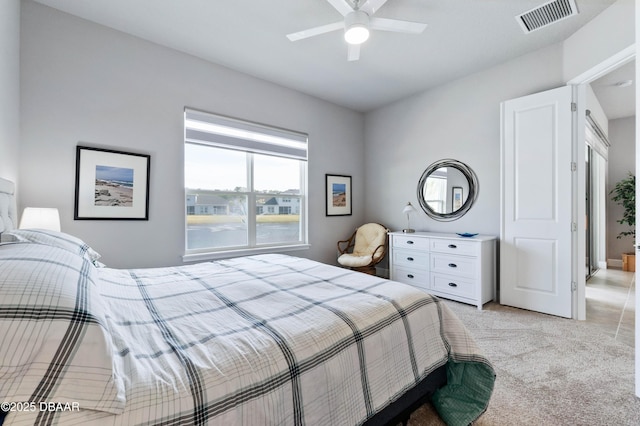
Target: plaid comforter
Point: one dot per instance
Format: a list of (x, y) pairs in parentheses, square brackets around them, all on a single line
[(267, 340)]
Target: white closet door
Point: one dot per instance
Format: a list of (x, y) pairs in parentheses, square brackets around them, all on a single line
[(536, 225)]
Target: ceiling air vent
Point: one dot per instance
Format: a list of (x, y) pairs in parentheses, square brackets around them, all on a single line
[(546, 14)]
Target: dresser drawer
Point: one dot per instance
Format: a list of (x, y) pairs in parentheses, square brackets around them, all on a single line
[(407, 241), (413, 259), (467, 248), (454, 265), (415, 277), (457, 286)]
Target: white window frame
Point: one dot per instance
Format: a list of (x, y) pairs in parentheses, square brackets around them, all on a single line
[(248, 139), (442, 196)]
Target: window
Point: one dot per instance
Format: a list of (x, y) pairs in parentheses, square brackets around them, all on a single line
[(435, 192), (245, 186)]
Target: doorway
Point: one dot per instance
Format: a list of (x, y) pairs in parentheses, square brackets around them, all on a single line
[(584, 83), (622, 90), (540, 266), (615, 92)]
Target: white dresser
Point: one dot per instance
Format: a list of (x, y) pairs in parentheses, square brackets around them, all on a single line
[(446, 265)]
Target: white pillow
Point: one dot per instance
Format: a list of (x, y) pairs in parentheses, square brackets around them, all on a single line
[(56, 344), (54, 239)]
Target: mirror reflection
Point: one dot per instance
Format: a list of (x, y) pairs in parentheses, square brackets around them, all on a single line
[(447, 189)]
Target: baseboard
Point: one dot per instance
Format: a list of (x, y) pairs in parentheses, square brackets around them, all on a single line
[(614, 263), (602, 265)]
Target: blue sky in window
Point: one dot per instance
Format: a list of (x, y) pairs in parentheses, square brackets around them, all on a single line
[(115, 174)]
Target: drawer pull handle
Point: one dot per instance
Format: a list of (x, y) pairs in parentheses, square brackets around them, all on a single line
[(409, 242), (453, 265), (410, 259), (453, 246), (410, 276), (453, 285)]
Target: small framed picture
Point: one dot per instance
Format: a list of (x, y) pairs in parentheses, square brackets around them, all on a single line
[(338, 195), (456, 198), (111, 185)]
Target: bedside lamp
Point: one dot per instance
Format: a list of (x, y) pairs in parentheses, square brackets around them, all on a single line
[(42, 218), (408, 209)]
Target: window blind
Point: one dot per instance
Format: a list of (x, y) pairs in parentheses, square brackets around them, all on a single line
[(226, 132)]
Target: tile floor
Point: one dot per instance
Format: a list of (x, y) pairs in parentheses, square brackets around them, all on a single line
[(611, 303)]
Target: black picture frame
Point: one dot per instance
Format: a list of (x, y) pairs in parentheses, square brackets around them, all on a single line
[(111, 184), (338, 195)]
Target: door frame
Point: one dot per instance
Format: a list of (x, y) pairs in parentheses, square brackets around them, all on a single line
[(579, 307), (624, 56)]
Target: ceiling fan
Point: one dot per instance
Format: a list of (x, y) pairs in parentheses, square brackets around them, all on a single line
[(358, 20)]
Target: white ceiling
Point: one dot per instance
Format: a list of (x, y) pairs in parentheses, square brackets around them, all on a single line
[(617, 101), (462, 37)]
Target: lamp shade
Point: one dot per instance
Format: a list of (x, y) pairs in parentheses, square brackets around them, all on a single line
[(41, 218), (408, 208)]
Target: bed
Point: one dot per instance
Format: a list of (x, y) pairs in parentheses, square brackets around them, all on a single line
[(259, 340)]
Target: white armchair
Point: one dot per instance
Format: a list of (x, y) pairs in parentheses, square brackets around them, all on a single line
[(365, 248)]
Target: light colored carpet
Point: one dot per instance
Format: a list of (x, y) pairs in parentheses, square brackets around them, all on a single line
[(550, 370)]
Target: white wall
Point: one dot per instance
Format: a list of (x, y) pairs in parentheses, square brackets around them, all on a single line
[(9, 88), (597, 113), (610, 32), (84, 83), (459, 120), (622, 135)]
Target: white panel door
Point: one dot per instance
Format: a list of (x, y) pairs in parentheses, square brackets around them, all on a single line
[(536, 185)]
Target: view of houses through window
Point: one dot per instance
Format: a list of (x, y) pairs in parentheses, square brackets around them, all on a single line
[(240, 199)]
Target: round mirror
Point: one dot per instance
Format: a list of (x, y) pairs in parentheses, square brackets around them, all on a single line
[(447, 189)]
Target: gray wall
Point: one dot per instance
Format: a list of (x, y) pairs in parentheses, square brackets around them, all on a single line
[(622, 135), (84, 83), (605, 35), (9, 88), (459, 120)]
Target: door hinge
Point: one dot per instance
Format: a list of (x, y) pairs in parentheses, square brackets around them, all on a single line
[(574, 107), (574, 286), (574, 227), (574, 166)]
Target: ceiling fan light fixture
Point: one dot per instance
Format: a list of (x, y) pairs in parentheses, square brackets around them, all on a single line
[(356, 34), (356, 27)]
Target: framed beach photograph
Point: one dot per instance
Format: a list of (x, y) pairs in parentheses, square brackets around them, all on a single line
[(111, 185), (338, 189), (456, 198)]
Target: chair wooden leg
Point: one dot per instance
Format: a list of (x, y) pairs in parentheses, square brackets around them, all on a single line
[(371, 270)]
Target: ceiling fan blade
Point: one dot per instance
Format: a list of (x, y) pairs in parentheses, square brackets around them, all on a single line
[(372, 6), (342, 6), (397, 26), (316, 31), (353, 52)]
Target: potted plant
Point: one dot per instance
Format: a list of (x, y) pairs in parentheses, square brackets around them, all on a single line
[(624, 194)]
